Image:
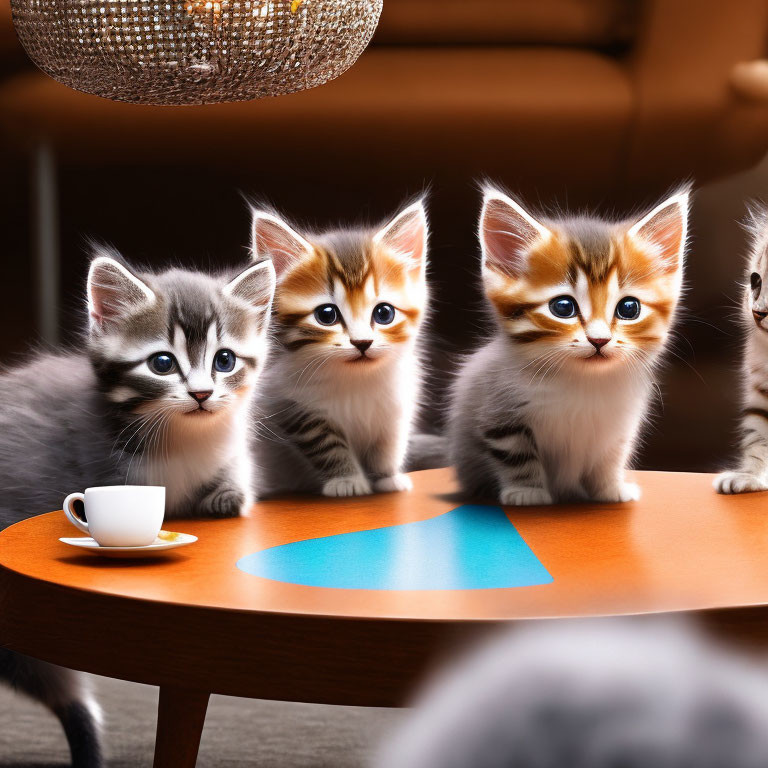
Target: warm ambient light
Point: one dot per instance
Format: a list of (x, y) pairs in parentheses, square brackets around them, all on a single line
[(194, 51)]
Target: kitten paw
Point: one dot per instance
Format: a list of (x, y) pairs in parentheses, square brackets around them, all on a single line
[(226, 502), (524, 497), (354, 485), (738, 482), (399, 482), (623, 493)]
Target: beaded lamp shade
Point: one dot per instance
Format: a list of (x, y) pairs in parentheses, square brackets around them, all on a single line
[(194, 51)]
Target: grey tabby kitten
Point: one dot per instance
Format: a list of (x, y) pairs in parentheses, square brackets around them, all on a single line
[(161, 396), (597, 694), (340, 397), (751, 473)]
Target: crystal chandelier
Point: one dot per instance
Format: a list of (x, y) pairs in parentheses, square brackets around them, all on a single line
[(194, 51)]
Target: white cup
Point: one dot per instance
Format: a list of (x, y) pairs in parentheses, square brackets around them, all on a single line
[(120, 515)]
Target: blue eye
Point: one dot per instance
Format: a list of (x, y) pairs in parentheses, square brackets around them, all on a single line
[(162, 363), (327, 314), (628, 308), (224, 361), (563, 306), (383, 314)]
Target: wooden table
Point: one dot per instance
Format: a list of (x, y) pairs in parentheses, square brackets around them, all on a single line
[(194, 622)]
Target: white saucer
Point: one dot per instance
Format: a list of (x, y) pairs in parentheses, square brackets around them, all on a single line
[(161, 544)]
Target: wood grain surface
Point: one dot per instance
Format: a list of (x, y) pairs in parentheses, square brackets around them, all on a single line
[(193, 620)]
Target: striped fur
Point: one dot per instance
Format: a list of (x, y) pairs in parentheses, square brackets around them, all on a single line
[(339, 399), (197, 449), (549, 409), (101, 417), (751, 473)]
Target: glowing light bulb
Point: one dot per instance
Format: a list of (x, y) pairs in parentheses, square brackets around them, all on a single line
[(205, 8)]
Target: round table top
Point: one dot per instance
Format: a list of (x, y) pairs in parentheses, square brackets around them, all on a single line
[(682, 547)]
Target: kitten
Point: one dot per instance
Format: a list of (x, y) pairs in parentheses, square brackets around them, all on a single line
[(599, 694), (340, 396), (161, 396), (752, 474), (549, 409)]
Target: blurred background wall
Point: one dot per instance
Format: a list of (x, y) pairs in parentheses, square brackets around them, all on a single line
[(599, 104)]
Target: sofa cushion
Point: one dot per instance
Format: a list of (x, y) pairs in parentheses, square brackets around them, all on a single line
[(517, 111), (574, 22)]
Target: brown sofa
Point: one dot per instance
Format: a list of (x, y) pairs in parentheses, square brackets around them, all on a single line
[(598, 92)]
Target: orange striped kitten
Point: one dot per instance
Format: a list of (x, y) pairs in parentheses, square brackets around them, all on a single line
[(340, 394), (549, 409), (751, 473)]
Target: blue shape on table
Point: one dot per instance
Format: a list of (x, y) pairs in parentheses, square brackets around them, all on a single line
[(470, 547)]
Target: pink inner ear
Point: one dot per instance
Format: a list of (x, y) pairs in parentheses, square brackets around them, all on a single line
[(506, 237), (113, 294), (408, 237), (278, 243), (108, 303), (665, 231), (96, 315), (96, 303)]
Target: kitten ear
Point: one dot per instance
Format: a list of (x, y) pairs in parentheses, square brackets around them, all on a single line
[(255, 286), (272, 238), (507, 232), (114, 292), (406, 235), (665, 229)]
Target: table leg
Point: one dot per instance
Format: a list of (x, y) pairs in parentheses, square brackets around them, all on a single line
[(180, 720)]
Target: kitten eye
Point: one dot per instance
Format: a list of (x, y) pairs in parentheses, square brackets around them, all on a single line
[(563, 306), (628, 308), (383, 314), (162, 363), (327, 314), (224, 360), (756, 283)]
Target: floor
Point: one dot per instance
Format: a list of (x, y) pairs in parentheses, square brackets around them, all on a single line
[(238, 732)]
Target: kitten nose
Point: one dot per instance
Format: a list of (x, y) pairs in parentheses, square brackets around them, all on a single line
[(759, 315), (361, 345), (201, 396), (598, 344)]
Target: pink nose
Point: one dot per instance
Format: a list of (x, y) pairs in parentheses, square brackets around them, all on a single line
[(201, 397), (598, 344)]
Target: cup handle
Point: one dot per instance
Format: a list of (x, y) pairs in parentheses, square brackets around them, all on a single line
[(70, 513)]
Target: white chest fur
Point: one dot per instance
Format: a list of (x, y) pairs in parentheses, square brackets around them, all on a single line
[(367, 405), (579, 423), (193, 452)]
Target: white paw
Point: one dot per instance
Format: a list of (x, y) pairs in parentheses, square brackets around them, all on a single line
[(354, 485), (399, 482), (622, 493), (738, 482), (524, 497)]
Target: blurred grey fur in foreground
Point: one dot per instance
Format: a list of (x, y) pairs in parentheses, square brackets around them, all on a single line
[(601, 694)]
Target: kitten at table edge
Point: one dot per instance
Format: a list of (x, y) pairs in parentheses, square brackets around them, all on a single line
[(341, 392), (74, 419), (549, 409), (752, 471)]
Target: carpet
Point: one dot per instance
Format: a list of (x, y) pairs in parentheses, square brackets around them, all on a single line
[(238, 732)]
